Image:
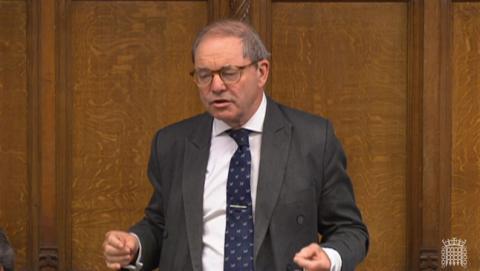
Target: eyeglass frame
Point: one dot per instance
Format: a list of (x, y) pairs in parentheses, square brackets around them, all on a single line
[(219, 72)]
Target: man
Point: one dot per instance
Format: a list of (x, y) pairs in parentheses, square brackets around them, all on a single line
[(248, 185), (7, 256)]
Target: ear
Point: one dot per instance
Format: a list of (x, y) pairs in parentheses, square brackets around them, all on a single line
[(263, 71)]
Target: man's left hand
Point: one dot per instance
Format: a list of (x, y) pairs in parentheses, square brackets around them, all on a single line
[(312, 258)]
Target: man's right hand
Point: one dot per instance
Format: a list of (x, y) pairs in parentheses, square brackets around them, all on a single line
[(119, 249)]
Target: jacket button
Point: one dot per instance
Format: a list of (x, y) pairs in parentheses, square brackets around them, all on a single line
[(165, 234), (300, 219)]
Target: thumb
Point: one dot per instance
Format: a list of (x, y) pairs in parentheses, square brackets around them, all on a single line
[(307, 252), (132, 244)]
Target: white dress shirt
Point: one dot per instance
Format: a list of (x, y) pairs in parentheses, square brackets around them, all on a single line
[(222, 149)]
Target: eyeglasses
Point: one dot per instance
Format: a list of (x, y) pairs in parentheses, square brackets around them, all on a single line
[(229, 74)]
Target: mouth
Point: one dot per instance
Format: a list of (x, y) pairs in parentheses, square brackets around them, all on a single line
[(218, 103)]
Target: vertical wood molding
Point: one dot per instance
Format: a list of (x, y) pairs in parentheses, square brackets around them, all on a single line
[(414, 132), (446, 96), (63, 150), (218, 9), (240, 10), (261, 19), (48, 250), (436, 186), (429, 131), (42, 250), (33, 133)]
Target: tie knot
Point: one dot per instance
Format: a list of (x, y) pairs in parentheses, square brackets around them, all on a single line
[(240, 136)]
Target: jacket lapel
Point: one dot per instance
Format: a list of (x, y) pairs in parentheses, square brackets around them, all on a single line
[(273, 158), (197, 148)]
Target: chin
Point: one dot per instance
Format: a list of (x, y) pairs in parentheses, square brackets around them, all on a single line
[(221, 114), (227, 119), (223, 118)]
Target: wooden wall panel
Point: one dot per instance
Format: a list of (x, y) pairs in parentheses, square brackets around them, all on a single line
[(129, 77), (465, 217), (14, 195), (348, 62)]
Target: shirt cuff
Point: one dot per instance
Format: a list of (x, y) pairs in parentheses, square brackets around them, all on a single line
[(335, 259), (138, 264)]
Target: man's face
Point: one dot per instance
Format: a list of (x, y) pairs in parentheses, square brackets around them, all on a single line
[(232, 103)]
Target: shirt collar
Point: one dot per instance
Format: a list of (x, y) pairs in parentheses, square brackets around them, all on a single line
[(255, 123)]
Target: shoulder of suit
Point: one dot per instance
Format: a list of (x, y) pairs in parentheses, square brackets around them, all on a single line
[(298, 117), (185, 127)]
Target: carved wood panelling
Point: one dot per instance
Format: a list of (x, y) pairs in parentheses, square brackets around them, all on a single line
[(14, 188), (48, 259), (429, 260), (348, 62), (465, 216), (240, 9), (129, 65)]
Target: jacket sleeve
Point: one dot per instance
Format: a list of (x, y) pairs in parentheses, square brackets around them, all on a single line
[(150, 229), (339, 219)]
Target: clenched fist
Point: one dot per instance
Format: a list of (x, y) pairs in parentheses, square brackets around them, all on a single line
[(312, 258), (119, 249)]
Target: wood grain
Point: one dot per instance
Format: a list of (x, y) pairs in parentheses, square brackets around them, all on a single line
[(466, 129), (348, 62), (414, 129), (129, 73), (14, 195)]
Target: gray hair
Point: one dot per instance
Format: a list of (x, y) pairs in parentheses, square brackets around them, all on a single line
[(253, 46), (7, 255)]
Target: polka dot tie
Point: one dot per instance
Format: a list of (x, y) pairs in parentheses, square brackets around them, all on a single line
[(238, 253)]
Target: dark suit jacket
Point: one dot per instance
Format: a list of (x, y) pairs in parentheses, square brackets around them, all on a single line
[(303, 190)]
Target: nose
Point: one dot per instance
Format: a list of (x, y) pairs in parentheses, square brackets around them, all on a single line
[(217, 85)]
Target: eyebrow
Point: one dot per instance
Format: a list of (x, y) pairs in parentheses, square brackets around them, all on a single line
[(223, 67)]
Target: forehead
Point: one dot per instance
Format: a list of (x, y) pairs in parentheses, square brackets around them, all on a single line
[(219, 51)]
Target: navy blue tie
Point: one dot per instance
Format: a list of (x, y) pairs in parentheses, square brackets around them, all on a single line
[(238, 253)]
